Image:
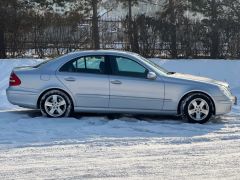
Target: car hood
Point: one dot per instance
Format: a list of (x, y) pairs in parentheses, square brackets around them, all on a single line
[(199, 79)]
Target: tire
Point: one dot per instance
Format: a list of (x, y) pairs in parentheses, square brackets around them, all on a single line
[(56, 104), (197, 108)]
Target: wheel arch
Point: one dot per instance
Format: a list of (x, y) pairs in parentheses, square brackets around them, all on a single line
[(195, 92), (50, 89)]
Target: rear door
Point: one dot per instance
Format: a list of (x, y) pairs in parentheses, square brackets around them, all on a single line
[(86, 78), (130, 88)]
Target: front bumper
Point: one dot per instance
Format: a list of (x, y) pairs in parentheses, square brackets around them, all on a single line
[(225, 106)]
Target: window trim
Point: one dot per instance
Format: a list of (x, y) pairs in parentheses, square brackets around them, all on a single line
[(111, 69), (76, 58)]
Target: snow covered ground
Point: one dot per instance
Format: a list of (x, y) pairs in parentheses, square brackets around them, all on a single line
[(93, 146)]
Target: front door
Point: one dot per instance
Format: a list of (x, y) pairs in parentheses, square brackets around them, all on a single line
[(130, 88), (87, 80)]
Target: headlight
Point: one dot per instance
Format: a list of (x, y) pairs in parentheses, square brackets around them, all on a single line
[(226, 91)]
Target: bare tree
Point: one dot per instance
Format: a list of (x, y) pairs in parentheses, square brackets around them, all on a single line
[(3, 5), (131, 26), (95, 29)]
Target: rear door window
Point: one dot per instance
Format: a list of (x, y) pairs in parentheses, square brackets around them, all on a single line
[(87, 64)]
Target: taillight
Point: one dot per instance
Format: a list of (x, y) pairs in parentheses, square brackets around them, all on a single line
[(14, 80)]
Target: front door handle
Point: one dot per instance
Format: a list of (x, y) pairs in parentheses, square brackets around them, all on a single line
[(70, 79), (116, 82)]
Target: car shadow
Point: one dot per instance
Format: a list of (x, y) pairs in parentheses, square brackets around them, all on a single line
[(79, 116), (131, 117)]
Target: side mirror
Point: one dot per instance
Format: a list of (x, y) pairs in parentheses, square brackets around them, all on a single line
[(151, 76)]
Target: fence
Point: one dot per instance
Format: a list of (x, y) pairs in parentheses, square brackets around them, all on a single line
[(154, 38)]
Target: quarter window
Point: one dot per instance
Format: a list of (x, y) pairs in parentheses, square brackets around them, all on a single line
[(88, 64)]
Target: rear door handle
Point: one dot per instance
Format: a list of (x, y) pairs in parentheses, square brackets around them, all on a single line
[(70, 79), (116, 82)]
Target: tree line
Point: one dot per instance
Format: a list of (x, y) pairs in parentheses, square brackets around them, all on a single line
[(179, 29)]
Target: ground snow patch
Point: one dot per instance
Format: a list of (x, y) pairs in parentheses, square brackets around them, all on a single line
[(92, 146)]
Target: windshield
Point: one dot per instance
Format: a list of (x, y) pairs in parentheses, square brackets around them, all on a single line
[(156, 66)]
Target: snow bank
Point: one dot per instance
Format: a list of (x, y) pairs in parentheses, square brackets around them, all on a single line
[(224, 70), (6, 67)]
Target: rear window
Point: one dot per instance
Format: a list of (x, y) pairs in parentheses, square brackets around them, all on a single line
[(42, 63)]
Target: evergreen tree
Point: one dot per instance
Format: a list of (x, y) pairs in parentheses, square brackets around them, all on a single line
[(212, 11), (172, 14), (10, 13), (9, 10)]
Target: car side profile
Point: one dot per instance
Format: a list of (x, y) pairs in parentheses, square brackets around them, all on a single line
[(112, 81)]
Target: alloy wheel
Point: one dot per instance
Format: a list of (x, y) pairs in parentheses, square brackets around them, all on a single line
[(198, 109), (55, 105)]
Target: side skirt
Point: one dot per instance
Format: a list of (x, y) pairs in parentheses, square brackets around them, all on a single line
[(131, 111)]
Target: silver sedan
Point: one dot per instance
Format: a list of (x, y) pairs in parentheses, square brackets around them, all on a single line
[(111, 81)]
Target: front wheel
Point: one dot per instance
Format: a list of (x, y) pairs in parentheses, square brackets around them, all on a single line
[(55, 104), (197, 108)]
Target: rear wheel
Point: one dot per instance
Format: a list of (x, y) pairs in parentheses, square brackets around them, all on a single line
[(197, 108), (55, 104)]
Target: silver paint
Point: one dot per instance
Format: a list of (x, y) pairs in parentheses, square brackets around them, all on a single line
[(110, 93)]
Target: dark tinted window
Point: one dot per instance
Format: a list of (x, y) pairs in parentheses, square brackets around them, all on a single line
[(42, 63), (126, 67), (88, 64)]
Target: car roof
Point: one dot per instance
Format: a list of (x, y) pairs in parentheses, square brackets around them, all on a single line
[(62, 59), (103, 52)]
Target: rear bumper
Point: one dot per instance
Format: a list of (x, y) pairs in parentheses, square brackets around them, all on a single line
[(22, 98)]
